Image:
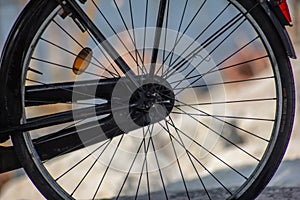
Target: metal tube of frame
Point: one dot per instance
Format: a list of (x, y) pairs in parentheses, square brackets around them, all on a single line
[(159, 24)]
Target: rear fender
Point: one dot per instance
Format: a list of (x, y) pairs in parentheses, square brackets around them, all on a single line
[(272, 9)]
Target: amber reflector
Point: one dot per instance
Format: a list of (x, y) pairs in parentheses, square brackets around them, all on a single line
[(82, 61)]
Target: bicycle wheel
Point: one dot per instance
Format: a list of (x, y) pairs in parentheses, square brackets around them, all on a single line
[(147, 99)]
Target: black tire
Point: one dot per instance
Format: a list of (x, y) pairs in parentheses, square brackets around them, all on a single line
[(37, 26)]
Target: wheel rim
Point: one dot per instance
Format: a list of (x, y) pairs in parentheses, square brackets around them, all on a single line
[(157, 154)]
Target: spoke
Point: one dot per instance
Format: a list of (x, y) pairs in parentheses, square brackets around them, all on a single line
[(91, 167), (178, 31), (103, 53), (158, 165), (107, 168), (132, 38), (230, 124), (199, 177), (147, 171), (214, 36), (203, 46), (211, 153), (177, 160), (224, 138), (221, 83), (215, 67), (130, 168), (227, 67), (210, 40), (159, 24), (83, 159), (67, 33), (224, 116), (183, 33), (238, 64), (120, 39), (145, 163), (64, 66), (187, 153), (213, 50), (227, 102), (196, 159), (35, 71)]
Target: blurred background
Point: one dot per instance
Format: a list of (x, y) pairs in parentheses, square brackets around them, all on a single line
[(285, 177)]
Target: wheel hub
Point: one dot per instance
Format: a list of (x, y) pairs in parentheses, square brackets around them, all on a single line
[(154, 102)]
